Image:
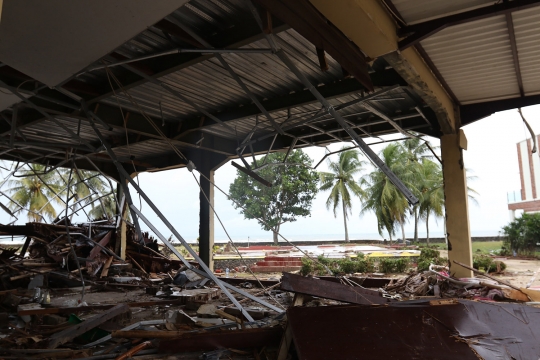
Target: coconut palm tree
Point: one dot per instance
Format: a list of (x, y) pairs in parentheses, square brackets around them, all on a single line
[(382, 197), (341, 183), (432, 199), (432, 194), (35, 191), (86, 186), (105, 208), (417, 150)]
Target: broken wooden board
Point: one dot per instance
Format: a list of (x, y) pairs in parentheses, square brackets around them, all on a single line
[(330, 290), (68, 334), (534, 295)]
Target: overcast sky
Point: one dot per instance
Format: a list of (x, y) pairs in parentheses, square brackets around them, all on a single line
[(491, 157)]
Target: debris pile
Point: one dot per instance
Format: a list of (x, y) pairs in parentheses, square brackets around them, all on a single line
[(68, 293)]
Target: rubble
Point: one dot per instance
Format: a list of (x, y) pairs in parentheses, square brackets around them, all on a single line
[(152, 306)]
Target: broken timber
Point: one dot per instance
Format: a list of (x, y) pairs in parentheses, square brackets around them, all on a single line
[(72, 332), (330, 290)]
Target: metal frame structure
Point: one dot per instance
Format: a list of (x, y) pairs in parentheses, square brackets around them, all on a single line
[(251, 88)]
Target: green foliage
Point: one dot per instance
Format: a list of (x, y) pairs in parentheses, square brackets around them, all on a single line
[(383, 198), (393, 265), (307, 266), (429, 255), (360, 264), (486, 263), (341, 183), (294, 187), (35, 191), (523, 233)]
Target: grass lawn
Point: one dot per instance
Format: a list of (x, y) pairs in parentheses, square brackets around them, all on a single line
[(478, 247)]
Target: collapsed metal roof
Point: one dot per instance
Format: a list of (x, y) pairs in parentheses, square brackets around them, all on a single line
[(189, 98)]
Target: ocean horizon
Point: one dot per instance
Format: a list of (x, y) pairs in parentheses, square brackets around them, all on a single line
[(192, 239)]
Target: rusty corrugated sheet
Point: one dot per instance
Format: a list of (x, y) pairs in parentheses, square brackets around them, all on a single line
[(417, 330)]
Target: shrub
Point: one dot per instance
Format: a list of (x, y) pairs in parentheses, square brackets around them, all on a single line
[(522, 234), (364, 264), (348, 266), (307, 266), (430, 256), (336, 266), (487, 264), (389, 265)]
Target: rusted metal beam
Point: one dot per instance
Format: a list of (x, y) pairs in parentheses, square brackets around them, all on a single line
[(252, 174), (330, 290), (303, 17), (513, 46)]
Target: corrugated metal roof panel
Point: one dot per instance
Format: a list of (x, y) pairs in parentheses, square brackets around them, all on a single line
[(528, 45), (414, 11), (209, 84), (475, 59)]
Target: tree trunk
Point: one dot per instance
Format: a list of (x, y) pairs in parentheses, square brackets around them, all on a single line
[(275, 233), (416, 224), (390, 235), (427, 228), (345, 222), (402, 222)]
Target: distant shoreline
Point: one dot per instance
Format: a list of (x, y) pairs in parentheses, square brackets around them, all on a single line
[(435, 240)]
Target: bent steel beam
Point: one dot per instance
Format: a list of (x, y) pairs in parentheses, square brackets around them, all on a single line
[(200, 272), (125, 176), (341, 121), (121, 171)]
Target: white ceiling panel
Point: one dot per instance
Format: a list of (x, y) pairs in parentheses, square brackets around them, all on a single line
[(54, 39), (475, 59)]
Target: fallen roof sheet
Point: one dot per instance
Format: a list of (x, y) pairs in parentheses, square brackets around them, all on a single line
[(417, 330)]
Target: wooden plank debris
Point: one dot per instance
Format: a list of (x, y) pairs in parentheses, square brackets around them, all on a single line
[(330, 290), (68, 334)]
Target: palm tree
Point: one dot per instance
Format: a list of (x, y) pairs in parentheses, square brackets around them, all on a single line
[(35, 191), (432, 194), (417, 150), (341, 182), (86, 186), (383, 197), (105, 208)]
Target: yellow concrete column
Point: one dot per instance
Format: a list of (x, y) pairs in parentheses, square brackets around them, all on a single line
[(456, 201)]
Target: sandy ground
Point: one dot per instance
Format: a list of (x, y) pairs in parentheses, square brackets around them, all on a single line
[(518, 271)]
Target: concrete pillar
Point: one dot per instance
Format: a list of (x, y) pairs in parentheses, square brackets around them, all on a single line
[(512, 214), (456, 202), (206, 216)]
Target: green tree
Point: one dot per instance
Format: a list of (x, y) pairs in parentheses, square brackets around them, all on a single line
[(342, 184), (382, 197), (88, 187), (417, 150), (431, 200), (522, 234), (104, 208), (35, 191), (294, 186)]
